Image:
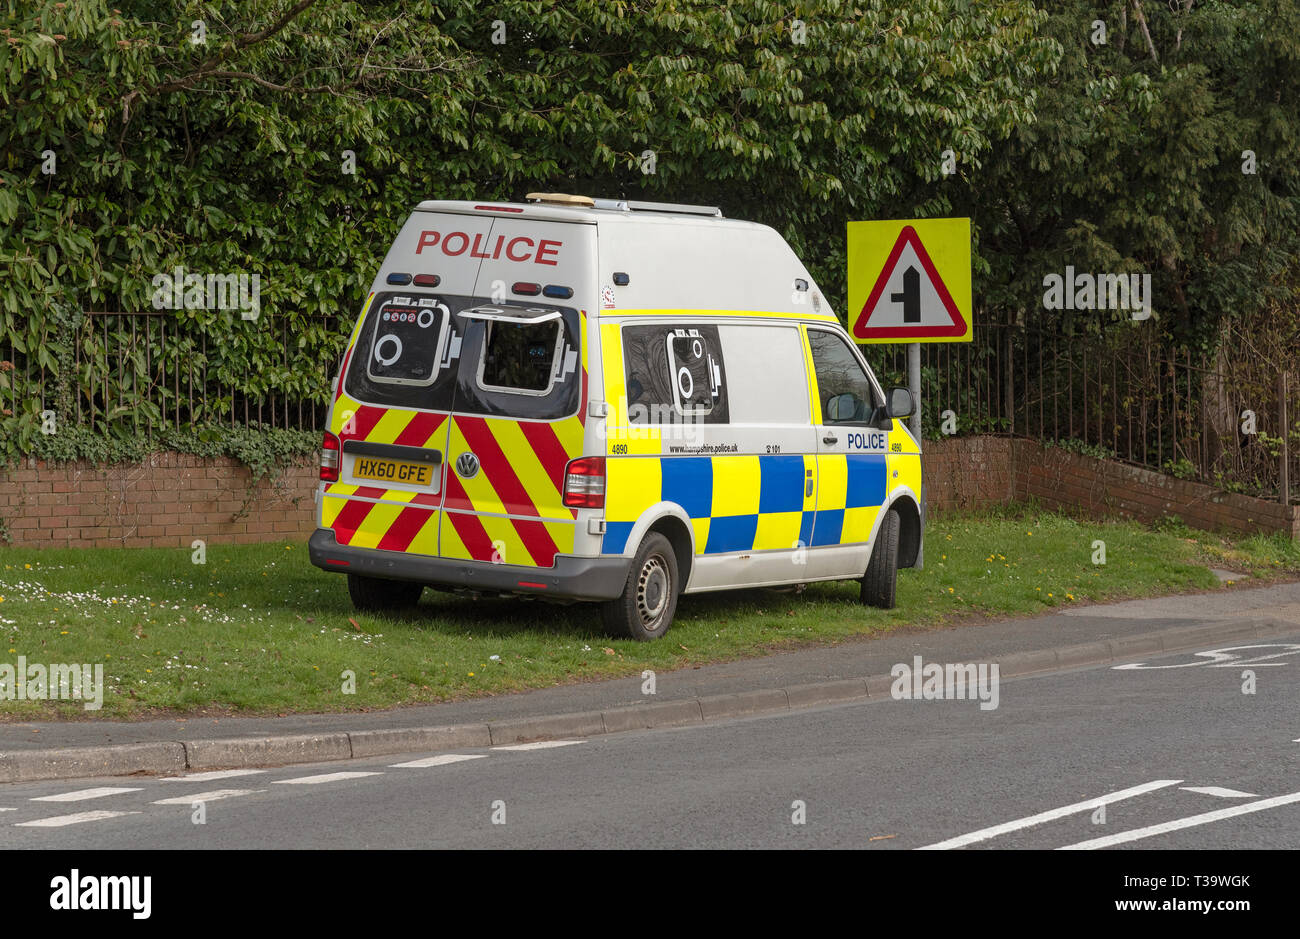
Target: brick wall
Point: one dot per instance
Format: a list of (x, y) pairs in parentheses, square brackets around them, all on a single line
[(167, 502), (175, 498), (1103, 487), (969, 472)]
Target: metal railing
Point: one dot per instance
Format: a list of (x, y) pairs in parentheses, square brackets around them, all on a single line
[(1126, 393), (1123, 392)]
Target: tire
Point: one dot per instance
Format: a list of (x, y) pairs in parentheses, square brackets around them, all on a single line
[(880, 581), (645, 610), (375, 595)]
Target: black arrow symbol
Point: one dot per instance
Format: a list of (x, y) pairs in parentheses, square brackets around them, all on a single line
[(911, 296)]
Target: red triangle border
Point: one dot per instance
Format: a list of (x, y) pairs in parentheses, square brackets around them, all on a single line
[(958, 328)]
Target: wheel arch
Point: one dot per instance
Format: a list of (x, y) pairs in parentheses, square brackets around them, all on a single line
[(909, 528), (670, 520)]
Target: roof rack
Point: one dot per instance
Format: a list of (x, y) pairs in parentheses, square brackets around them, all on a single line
[(623, 205), (631, 205)]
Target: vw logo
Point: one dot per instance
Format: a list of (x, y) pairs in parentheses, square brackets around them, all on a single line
[(466, 465)]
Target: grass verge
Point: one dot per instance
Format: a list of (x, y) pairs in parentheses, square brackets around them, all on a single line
[(258, 630)]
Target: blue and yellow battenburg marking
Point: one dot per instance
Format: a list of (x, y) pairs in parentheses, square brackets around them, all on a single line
[(752, 503)]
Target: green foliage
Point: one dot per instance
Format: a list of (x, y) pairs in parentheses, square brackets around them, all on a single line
[(227, 157), (1135, 161), (1081, 447), (261, 448)]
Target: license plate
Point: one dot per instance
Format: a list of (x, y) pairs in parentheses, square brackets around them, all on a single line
[(393, 471)]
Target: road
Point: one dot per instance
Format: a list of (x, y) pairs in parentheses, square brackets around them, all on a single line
[(1196, 763)]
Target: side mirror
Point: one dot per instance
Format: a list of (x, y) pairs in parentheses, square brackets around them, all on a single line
[(900, 403)]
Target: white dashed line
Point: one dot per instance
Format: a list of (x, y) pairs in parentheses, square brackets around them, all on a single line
[(985, 833), (1219, 791), (1180, 823), (212, 796), (8, 810), (443, 760), (541, 745), (59, 821), (214, 774), (324, 778), (83, 794)]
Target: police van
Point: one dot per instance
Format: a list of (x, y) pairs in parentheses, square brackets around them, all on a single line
[(612, 401)]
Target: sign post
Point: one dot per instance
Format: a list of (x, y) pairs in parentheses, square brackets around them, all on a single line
[(909, 281)]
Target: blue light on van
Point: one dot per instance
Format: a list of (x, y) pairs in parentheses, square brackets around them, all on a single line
[(401, 280), (557, 292)]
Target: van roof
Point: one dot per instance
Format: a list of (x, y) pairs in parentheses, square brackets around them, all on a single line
[(714, 263), (590, 211)]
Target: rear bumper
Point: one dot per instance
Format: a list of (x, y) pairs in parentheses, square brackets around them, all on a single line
[(573, 578)]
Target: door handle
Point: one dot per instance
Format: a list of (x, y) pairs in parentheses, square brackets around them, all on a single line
[(830, 439)]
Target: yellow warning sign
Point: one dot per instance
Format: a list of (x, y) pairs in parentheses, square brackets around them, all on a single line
[(909, 280)]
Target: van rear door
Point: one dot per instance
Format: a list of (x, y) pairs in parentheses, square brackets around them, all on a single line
[(519, 407), (398, 382)]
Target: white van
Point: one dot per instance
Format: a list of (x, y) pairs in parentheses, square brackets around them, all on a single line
[(611, 401)]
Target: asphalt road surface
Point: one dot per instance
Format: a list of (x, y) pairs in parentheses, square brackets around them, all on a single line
[(1176, 753)]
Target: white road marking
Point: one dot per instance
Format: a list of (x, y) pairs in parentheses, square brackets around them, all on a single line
[(212, 796), (541, 745), (324, 778), (1180, 823), (83, 794), (8, 810), (1051, 815), (214, 774), (59, 821), (1219, 791), (439, 760)]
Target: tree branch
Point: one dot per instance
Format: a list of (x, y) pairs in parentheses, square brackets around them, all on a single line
[(208, 68), (1142, 22)]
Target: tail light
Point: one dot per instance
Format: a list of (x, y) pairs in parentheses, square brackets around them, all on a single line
[(329, 458), (584, 483)]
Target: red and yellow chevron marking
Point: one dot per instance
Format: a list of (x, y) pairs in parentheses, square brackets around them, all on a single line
[(521, 474), (512, 511), (364, 516)]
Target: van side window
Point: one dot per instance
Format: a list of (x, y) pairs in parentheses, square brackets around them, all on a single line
[(674, 374), (519, 357), (768, 383), (407, 340), (843, 388)]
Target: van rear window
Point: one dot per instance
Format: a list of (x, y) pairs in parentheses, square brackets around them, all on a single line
[(407, 343), (406, 353), (519, 357)]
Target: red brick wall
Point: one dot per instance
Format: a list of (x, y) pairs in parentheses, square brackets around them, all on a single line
[(167, 502), (175, 498), (1066, 480), (968, 472)]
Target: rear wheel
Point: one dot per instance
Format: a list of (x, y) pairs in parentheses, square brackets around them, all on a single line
[(881, 578), (375, 595), (645, 609)]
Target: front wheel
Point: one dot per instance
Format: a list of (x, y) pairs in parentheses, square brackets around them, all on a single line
[(645, 609), (376, 595), (880, 581)]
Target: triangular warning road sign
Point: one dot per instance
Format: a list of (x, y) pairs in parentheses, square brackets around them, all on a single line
[(909, 299)]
